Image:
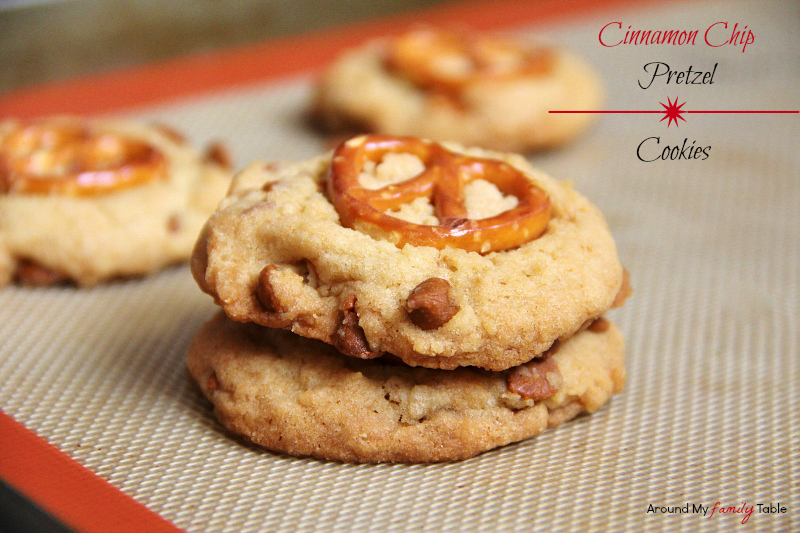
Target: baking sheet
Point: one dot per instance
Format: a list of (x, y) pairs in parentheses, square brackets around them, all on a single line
[(710, 413)]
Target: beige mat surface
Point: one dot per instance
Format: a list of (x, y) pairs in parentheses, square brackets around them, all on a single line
[(711, 412)]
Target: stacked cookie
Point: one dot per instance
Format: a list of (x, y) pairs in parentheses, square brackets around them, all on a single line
[(402, 300)]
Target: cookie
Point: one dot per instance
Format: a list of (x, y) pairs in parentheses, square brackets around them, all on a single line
[(89, 200), (479, 90), (279, 253), (301, 397)]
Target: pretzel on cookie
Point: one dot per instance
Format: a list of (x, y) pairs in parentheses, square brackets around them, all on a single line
[(442, 182), (73, 158), (448, 62)]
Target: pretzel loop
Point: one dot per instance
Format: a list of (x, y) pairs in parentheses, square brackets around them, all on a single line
[(448, 62), (71, 158), (442, 182)]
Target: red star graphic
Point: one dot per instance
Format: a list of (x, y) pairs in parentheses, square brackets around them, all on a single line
[(672, 112)]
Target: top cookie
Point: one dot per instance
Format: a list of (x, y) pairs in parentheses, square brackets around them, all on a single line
[(277, 253), (89, 200), (482, 90)]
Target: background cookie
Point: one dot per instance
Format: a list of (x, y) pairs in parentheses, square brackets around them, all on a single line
[(301, 397), (276, 253), (363, 91), (132, 230)]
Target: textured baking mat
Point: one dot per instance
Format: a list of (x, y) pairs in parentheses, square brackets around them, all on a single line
[(710, 413)]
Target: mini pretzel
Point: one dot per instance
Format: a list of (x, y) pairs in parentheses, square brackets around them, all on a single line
[(442, 182), (448, 61), (74, 159)]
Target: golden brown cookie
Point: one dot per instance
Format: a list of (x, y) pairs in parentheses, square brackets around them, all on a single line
[(476, 89), (89, 200), (279, 253), (302, 397)]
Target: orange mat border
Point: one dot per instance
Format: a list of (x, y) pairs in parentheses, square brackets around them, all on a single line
[(60, 485), (243, 65), (67, 490)]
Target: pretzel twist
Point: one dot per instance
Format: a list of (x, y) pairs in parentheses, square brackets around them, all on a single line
[(72, 158), (442, 182), (448, 62)]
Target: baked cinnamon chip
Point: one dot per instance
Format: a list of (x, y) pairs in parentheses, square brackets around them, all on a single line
[(32, 273), (538, 380), (349, 338), (429, 305), (265, 293)]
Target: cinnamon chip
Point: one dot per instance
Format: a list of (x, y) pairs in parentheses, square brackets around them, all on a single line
[(174, 223), (537, 380), (219, 154), (264, 291), (349, 337), (429, 305), (32, 273)]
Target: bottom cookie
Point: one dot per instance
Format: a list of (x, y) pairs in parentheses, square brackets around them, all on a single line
[(299, 396)]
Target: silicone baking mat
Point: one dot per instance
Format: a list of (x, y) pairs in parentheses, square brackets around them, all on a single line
[(711, 411)]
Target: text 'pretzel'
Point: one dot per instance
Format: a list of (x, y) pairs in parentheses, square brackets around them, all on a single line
[(442, 182), (71, 158)]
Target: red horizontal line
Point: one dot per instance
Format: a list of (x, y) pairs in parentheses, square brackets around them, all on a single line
[(740, 111), (664, 111), (606, 111)]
